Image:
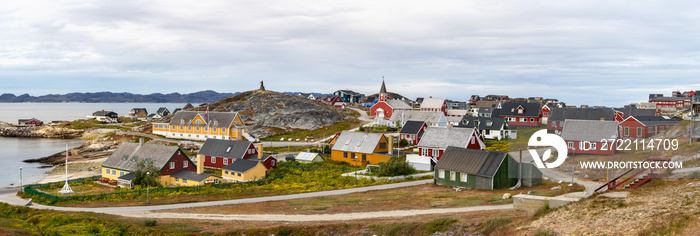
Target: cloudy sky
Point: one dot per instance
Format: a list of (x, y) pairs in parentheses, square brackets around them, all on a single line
[(581, 52)]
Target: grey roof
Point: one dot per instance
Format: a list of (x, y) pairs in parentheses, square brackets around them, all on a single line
[(589, 130), (241, 165), (562, 114), (216, 119), (436, 137), (495, 123), (398, 104), (190, 175), (484, 103), (656, 120), (633, 111), (474, 162), (357, 142), (432, 103), (128, 155), (103, 113), (457, 112), (306, 156), (426, 116), (496, 113), (161, 111), (139, 110), (383, 88), (128, 177), (224, 148), (510, 109), (411, 127), (485, 110)]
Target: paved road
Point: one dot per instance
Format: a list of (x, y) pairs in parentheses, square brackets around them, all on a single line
[(318, 217)]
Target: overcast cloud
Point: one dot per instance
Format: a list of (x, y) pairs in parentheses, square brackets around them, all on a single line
[(581, 52)]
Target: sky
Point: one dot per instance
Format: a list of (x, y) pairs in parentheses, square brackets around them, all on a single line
[(589, 52)]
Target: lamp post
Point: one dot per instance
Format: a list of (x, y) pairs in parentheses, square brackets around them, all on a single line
[(20, 180), (148, 185)]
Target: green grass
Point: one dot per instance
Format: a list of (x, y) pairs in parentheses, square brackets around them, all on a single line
[(523, 137), (440, 224)]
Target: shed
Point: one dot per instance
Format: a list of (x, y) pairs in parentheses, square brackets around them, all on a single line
[(308, 157)]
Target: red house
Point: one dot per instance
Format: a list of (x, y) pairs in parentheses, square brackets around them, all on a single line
[(30, 122), (434, 105), (218, 153), (645, 126), (436, 140), (590, 136), (545, 113), (385, 107), (522, 113), (412, 131), (334, 101)]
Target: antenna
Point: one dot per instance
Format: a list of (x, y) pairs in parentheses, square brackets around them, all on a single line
[(66, 188)]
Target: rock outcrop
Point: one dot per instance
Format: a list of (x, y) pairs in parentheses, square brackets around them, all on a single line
[(40, 132), (93, 149), (267, 109)]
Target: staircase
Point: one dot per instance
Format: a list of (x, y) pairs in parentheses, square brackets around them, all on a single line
[(638, 182), (646, 176)]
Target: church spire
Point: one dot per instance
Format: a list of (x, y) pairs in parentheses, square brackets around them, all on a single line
[(383, 89)]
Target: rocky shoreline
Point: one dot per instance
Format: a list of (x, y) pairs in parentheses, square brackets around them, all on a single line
[(93, 149), (40, 132)]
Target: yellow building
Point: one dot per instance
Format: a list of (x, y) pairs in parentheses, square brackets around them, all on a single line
[(198, 125), (360, 148), (243, 170)]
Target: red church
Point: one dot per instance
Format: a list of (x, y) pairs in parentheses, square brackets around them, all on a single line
[(385, 107)]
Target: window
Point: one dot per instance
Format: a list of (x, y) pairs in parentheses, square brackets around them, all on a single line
[(185, 164), (213, 159), (223, 130), (226, 172), (453, 175), (441, 174), (520, 111), (604, 147), (114, 172), (571, 145), (382, 145), (189, 128), (197, 128), (425, 152), (435, 152), (176, 180), (184, 181), (239, 174), (523, 119), (214, 129), (364, 157), (121, 173), (639, 131), (106, 171), (532, 119), (206, 129), (172, 165), (352, 155), (627, 131), (593, 146), (463, 176), (345, 155), (225, 161), (273, 162)]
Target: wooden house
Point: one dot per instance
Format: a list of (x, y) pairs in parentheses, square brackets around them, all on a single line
[(360, 148)]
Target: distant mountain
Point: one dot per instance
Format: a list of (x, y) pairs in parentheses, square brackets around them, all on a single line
[(110, 97)]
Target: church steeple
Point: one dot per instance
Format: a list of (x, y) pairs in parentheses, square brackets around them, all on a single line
[(382, 92)]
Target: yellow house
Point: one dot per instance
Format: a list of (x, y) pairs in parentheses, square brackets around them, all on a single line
[(242, 170), (198, 125), (360, 148)]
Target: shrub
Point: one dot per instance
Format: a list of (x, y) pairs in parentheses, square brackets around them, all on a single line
[(403, 142), (545, 233), (150, 223), (395, 167), (440, 224), (494, 224)]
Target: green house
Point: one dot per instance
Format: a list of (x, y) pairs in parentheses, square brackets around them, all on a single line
[(481, 169)]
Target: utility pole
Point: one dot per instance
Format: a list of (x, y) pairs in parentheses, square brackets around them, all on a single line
[(148, 186)]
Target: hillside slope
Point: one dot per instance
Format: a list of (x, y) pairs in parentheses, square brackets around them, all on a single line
[(271, 112)]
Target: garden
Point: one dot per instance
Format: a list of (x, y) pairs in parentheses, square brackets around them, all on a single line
[(288, 178)]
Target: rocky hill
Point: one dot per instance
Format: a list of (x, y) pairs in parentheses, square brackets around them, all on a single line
[(271, 112)]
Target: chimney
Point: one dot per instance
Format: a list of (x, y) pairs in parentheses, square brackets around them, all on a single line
[(260, 151), (200, 164), (391, 144), (140, 141)]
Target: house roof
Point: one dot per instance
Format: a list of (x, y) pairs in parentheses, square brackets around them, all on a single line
[(306, 156), (436, 137), (398, 104), (241, 165), (432, 103), (162, 110), (102, 113), (655, 120), (594, 113), (483, 123), (351, 93), (589, 130), (531, 109), (139, 110), (224, 148), (190, 175), (457, 112), (474, 162), (216, 119), (633, 111), (484, 103), (496, 113), (357, 142), (128, 177), (426, 116), (485, 110), (412, 127), (128, 155)]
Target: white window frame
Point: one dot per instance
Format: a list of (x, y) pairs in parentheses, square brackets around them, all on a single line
[(176, 180), (463, 177), (185, 164), (213, 159), (441, 174), (225, 161), (593, 146), (172, 165), (570, 145), (453, 175), (425, 152)]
